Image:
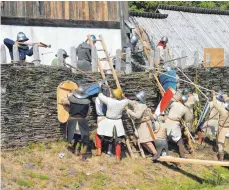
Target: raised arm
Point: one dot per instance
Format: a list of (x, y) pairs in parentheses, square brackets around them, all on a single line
[(103, 98)]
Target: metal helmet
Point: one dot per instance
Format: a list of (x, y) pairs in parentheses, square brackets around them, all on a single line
[(80, 93), (21, 37), (167, 67), (117, 93), (134, 39), (93, 38), (164, 39), (226, 104), (186, 91), (219, 96), (184, 98), (141, 96), (65, 55)]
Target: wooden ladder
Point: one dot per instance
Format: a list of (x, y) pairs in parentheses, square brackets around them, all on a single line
[(130, 140)]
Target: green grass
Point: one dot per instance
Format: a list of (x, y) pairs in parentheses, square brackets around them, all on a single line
[(25, 182), (38, 176)]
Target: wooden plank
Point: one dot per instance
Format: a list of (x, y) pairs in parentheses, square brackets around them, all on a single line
[(85, 10), (80, 10), (105, 11), (110, 10), (36, 12), (60, 58), (47, 9), (66, 10), (217, 56), (71, 10), (92, 10), (192, 161), (94, 58), (29, 9), (11, 8), (21, 8), (118, 61), (99, 10), (116, 12)]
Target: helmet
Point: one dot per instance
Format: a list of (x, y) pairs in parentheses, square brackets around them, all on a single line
[(21, 37), (117, 93), (167, 67), (226, 104), (80, 93), (219, 96), (134, 39), (65, 55), (164, 39), (184, 98), (186, 91), (141, 96), (93, 37)]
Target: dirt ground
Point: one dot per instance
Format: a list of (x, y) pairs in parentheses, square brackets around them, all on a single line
[(38, 166)]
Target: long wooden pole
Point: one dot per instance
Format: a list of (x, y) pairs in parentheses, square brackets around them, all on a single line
[(192, 161)]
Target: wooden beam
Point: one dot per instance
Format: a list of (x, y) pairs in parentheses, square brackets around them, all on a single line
[(192, 161), (59, 23)]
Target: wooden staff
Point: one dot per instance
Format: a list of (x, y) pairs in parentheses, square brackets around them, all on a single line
[(32, 44)]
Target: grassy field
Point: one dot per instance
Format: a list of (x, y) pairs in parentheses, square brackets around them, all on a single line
[(38, 166)]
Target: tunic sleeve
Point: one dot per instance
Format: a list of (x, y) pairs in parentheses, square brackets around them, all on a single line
[(219, 108), (139, 112), (103, 98)]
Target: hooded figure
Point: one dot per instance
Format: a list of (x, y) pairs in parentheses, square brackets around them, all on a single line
[(162, 46), (83, 52), (111, 125), (23, 49), (142, 115), (77, 125)]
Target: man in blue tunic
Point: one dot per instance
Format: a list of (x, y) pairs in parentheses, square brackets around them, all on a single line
[(22, 48)]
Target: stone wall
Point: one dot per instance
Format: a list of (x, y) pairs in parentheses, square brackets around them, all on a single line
[(28, 99)]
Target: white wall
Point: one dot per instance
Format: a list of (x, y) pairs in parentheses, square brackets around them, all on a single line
[(60, 37)]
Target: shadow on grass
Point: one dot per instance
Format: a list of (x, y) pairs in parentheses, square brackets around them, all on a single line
[(175, 168)]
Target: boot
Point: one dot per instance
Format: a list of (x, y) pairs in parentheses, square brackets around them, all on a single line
[(181, 148), (98, 152), (200, 135), (220, 156)]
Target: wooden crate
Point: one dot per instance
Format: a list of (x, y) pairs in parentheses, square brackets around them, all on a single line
[(216, 57)]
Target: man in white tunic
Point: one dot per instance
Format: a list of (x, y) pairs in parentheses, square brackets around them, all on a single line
[(111, 125), (172, 123)]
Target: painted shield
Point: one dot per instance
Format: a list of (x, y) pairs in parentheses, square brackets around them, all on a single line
[(62, 91), (165, 101), (203, 114)]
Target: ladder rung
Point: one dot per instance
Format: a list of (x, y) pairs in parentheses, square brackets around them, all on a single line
[(134, 141), (100, 50), (136, 151), (98, 40)]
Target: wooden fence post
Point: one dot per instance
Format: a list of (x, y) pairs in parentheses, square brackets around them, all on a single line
[(73, 58), (208, 61), (157, 58), (3, 54), (196, 59), (60, 58), (94, 59), (128, 61), (183, 60), (151, 59), (118, 61), (166, 55), (36, 55), (16, 57)]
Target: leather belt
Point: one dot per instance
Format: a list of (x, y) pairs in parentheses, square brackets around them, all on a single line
[(76, 117)]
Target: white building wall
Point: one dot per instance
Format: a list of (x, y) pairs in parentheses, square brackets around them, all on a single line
[(60, 37)]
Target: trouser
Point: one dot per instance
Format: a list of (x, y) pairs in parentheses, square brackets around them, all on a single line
[(150, 147), (98, 144), (80, 144), (161, 144), (221, 139)]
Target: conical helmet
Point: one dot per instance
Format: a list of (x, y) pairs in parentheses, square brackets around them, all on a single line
[(141, 96), (117, 93)]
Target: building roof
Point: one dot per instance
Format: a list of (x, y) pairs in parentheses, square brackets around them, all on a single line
[(189, 29)]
